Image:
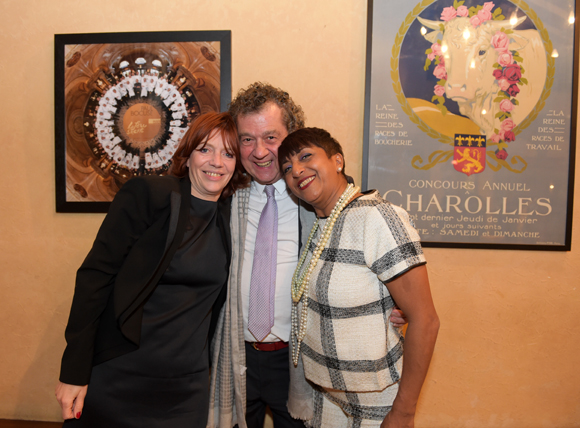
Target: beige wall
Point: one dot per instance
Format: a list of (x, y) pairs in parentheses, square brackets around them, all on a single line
[(507, 354)]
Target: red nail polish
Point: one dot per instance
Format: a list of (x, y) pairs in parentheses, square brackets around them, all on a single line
[(78, 415)]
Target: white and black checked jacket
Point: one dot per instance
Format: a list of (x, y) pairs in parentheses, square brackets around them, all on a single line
[(350, 345)]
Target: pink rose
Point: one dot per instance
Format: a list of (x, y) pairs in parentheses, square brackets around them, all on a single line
[(495, 138), (513, 90), (500, 41), (503, 84), (476, 21), (509, 136), (507, 125), (436, 48), (439, 90), (501, 154), (497, 73), (506, 105), (488, 6), (484, 15), (462, 11), (431, 56), (448, 13), (439, 72), (505, 59), (513, 73)]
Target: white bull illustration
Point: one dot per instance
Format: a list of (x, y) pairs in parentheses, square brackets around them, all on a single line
[(469, 62)]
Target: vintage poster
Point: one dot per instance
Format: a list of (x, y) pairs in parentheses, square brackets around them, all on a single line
[(470, 118), (123, 103)]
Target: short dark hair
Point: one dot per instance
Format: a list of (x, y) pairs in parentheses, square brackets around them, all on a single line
[(253, 99), (308, 137), (201, 130)]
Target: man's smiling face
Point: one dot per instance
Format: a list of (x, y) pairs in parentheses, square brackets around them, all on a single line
[(261, 134)]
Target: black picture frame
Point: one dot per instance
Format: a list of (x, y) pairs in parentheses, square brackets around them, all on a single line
[(394, 166), (93, 159)]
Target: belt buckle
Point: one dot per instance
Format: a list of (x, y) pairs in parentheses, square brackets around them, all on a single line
[(255, 346)]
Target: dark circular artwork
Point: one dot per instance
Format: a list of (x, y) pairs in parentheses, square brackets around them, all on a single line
[(128, 107)]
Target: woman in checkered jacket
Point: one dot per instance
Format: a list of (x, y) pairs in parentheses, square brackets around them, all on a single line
[(363, 259)]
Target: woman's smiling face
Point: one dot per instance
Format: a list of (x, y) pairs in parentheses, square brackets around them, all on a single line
[(211, 167), (315, 178)]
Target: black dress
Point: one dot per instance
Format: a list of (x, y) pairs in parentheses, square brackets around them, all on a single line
[(165, 382)]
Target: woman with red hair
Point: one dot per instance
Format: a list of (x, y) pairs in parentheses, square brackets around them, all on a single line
[(148, 294)]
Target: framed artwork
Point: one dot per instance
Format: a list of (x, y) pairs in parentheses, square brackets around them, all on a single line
[(123, 101), (470, 119)]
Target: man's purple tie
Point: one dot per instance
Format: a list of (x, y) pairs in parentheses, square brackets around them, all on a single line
[(263, 282)]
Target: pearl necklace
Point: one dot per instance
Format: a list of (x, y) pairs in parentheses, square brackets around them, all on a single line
[(301, 277)]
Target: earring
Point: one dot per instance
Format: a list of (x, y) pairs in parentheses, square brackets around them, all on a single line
[(339, 169)]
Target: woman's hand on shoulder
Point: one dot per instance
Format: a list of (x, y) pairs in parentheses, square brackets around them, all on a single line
[(71, 399)]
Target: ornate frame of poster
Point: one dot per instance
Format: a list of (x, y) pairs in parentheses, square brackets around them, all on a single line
[(123, 101), (470, 119)]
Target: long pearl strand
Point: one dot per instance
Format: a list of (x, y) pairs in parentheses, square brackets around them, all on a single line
[(301, 278)]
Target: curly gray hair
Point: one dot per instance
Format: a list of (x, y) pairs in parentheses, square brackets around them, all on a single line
[(253, 98)]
